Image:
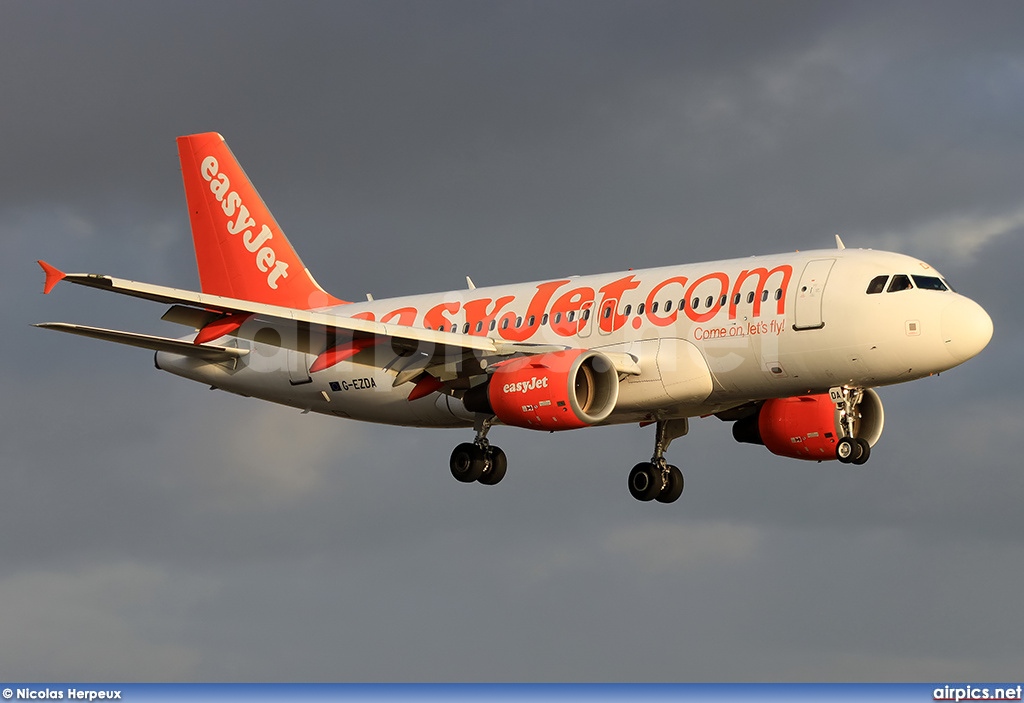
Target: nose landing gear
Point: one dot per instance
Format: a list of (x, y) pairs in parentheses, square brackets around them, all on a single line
[(850, 449)]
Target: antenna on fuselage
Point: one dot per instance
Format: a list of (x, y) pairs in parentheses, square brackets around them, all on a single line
[(470, 284), (839, 242)]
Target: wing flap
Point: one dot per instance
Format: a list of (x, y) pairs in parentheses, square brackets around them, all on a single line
[(189, 317)]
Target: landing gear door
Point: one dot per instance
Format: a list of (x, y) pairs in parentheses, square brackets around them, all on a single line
[(807, 313)]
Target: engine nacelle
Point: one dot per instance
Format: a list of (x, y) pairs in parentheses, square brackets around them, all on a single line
[(562, 390), (807, 426)]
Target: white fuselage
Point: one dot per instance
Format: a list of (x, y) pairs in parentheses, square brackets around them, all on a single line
[(706, 336)]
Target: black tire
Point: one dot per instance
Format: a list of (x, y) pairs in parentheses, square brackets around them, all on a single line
[(499, 464), (848, 450), (467, 462), (674, 489), (644, 482), (865, 451)]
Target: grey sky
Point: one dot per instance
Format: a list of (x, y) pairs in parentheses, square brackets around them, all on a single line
[(156, 530)]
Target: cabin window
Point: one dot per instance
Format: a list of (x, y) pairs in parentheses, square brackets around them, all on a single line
[(682, 304), (695, 303), (877, 284), (533, 319), (571, 315), (465, 330), (627, 310), (778, 294), (519, 322), (504, 324), (736, 299), (668, 306), (607, 312), (544, 320), (899, 282), (654, 306), (764, 296), (710, 301), (929, 283), (586, 314), (494, 323), (558, 317), (750, 297)]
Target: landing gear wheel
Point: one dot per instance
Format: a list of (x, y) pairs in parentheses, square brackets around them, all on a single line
[(467, 462), (645, 482), (498, 466), (674, 488), (865, 452), (849, 450)]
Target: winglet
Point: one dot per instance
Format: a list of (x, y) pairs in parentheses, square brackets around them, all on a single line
[(53, 276)]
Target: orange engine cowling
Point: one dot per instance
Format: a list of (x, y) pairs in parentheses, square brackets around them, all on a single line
[(562, 390), (807, 426)]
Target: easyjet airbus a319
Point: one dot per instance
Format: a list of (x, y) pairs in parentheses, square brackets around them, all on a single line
[(787, 347)]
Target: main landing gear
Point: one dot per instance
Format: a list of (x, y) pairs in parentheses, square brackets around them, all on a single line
[(657, 479), (479, 461), (850, 449)]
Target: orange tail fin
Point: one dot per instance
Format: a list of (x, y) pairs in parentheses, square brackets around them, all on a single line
[(240, 249)]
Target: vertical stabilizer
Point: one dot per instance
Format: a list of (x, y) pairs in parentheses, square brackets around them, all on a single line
[(241, 251)]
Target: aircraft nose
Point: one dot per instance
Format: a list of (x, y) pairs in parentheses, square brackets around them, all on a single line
[(966, 328)]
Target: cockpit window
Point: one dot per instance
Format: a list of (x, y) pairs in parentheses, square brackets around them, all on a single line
[(900, 282), (929, 283), (877, 284)]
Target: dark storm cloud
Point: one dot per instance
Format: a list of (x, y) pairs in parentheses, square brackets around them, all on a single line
[(158, 530)]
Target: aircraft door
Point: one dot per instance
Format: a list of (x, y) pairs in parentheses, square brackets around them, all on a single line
[(584, 325), (605, 318), (807, 311)]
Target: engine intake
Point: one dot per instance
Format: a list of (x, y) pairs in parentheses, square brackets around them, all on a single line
[(807, 426), (562, 390)]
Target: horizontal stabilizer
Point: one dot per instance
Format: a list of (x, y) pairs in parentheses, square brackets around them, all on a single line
[(209, 352)]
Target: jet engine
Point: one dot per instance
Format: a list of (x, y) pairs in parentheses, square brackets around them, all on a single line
[(808, 426), (562, 390)]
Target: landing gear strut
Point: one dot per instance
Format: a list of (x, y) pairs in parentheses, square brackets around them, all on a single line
[(479, 461), (850, 449), (657, 479)]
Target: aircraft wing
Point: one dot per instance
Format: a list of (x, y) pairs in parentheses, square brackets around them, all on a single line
[(223, 305), (200, 309)]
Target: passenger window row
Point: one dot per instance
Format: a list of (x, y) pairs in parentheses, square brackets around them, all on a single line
[(584, 315)]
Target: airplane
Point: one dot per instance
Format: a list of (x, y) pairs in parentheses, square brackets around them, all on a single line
[(788, 347)]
